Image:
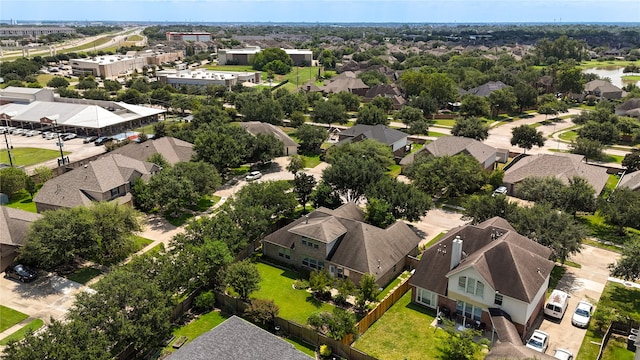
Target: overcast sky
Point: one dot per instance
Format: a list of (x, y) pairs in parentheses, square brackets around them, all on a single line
[(331, 11)]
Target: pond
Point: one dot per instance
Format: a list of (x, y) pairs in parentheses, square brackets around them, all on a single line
[(614, 73)]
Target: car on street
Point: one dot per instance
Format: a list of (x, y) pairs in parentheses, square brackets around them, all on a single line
[(20, 272), (101, 140), (539, 341), (51, 136), (89, 139), (582, 314), (254, 175), (69, 136), (31, 133), (563, 354)]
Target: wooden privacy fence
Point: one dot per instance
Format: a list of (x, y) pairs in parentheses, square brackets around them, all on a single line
[(375, 314)]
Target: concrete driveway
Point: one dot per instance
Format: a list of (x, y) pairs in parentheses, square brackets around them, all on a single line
[(586, 283)]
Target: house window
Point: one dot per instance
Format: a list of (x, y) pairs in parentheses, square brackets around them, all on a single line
[(114, 192), (462, 282), (284, 253), (498, 299), (468, 310), (427, 298), (471, 286), (479, 289), (315, 246), (459, 307), (320, 265), (341, 273), (304, 242), (305, 262), (312, 263)]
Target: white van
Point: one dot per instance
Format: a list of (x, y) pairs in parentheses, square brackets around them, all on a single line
[(556, 304)]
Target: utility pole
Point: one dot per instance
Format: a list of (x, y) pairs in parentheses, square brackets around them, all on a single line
[(8, 149)]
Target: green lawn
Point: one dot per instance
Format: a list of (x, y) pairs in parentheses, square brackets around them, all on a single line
[(445, 122), (302, 346), (393, 284), (626, 301), (609, 63), (198, 327), (613, 158), (394, 170), (84, 274), (404, 332), (19, 335), (10, 317), (436, 134), (90, 46), (612, 181), (556, 274), (568, 135), (295, 305), (140, 242), (30, 156), (311, 161), (600, 229), (23, 201), (134, 38)]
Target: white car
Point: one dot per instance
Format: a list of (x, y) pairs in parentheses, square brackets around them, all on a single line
[(51, 136), (582, 314), (539, 341), (31, 133), (500, 190), (254, 175), (563, 354)]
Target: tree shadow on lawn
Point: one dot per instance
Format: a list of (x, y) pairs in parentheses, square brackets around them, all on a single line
[(314, 301), (421, 309)]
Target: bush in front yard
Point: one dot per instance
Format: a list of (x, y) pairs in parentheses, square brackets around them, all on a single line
[(205, 302)]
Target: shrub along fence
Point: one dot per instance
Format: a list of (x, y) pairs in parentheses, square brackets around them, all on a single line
[(376, 313)]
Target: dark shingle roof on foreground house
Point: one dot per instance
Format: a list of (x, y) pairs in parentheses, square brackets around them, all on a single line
[(381, 133), (14, 225), (561, 166), (237, 339), (453, 145), (505, 261), (631, 181), (82, 185), (361, 247), (257, 127), (173, 150), (488, 88)]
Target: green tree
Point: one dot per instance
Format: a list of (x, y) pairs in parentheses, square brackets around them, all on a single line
[(622, 209), (350, 100), (448, 176), (112, 85), (320, 282), (330, 111), (471, 127), (325, 196), (605, 133), (579, 196), (628, 266), (354, 166), (262, 312), (405, 200), (526, 96), (373, 77), (202, 175), (379, 213), (42, 174), (311, 137), (296, 163), (542, 189), (569, 80), (159, 160), (383, 102), (368, 287), (243, 277), (591, 149), (297, 119), (409, 115), (631, 161), (224, 148), (502, 100), (372, 115), (58, 82), (482, 207), (112, 227), (303, 187), (459, 345), (12, 180), (474, 106), (526, 136), (266, 147), (269, 55)]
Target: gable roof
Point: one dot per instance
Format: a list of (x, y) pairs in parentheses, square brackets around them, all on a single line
[(173, 150), (631, 181), (236, 338), (504, 261), (344, 84), (388, 90), (630, 104), (603, 86), (381, 133), (360, 246), (14, 225), (488, 88), (76, 187), (453, 145), (257, 127), (561, 166)]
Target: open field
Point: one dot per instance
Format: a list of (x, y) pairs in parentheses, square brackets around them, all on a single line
[(28, 156)]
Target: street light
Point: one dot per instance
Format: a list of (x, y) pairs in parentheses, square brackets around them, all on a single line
[(53, 120)]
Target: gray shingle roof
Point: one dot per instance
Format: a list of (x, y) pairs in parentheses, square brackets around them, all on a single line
[(632, 181), (257, 127), (14, 225), (488, 88), (344, 84), (381, 133), (362, 247), (561, 166), (453, 145), (173, 150), (237, 339), (506, 263), (601, 85), (82, 185)]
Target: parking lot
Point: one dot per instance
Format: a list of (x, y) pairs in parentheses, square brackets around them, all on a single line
[(586, 283), (78, 150)]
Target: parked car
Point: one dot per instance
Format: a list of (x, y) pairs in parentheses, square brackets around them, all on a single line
[(31, 133), (3, 129), (69, 136), (20, 272), (18, 131), (582, 314), (101, 140), (51, 136), (556, 304), (563, 354), (89, 139), (254, 175), (539, 341), (500, 190)]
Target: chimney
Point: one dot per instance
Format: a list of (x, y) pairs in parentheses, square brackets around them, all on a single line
[(456, 252)]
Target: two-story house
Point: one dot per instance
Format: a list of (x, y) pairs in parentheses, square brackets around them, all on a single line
[(481, 271), (106, 179), (342, 243)]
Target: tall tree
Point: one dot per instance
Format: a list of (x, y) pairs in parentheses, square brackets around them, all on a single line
[(311, 137), (526, 95), (329, 111), (266, 147), (622, 209), (303, 187), (471, 127), (474, 105), (526, 137), (628, 266), (448, 176), (631, 161), (378, 213), (579, 196), (372, 115), (12, 180), (243, 277)]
